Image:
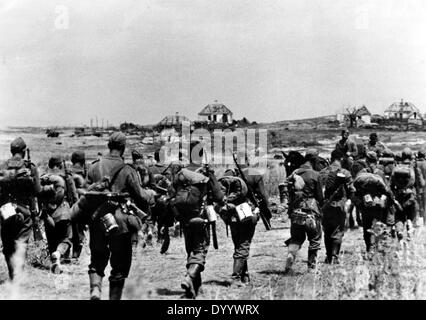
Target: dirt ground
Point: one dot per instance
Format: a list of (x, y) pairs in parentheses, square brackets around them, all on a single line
[(391, 273), (394, 272)]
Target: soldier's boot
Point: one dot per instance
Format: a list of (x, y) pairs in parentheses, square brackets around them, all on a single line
[(281, 190), (197, 285), (237, 272), (116, 289), (291, 257), (410, 230), (95, 286), (56, 256), (188, 283), (245, 277), (329, 252), (10, 267), (335, 253), (56, 262), (76, 252), (312, 259)]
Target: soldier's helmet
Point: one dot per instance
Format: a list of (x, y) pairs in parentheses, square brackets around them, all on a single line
[(372, 156), (421, 153), (407, 154), (117, 140), (17, 145), (55, 160), (78, 156)]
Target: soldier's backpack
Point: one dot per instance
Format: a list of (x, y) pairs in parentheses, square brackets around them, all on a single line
[(15, 177), (403, 176), (192, 187)]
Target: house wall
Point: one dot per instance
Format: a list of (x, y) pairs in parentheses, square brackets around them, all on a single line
[(219, 118), (366, 119), (396, 115)]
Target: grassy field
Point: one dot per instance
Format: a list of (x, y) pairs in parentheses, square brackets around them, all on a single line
[(394, 272)]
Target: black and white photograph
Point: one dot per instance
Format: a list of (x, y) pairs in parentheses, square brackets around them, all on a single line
[(212, 150)]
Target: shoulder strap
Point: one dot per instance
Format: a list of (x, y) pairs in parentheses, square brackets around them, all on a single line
[(115, 172)]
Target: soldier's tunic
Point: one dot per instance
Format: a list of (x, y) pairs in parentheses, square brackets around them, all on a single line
[(257, 184), (17, 229), (421, 164), (242, 232), (55, 211), (78, 227), (116, 247), (405, 194), (367, 183), (309, 201), (190, 192), (334, 216)]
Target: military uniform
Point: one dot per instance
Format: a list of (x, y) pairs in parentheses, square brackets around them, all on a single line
[(370, 200), (79, 176), (404, 190), (348, 148), (337, 191), (16, 230), (305, 215), (257, 184), (116, 247), (242, 232), (189, 195), (56, 212), (421, 164)]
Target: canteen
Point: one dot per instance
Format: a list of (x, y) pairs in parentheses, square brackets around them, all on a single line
[(244, 211), (211, 213), (109, 222), (7, 211)]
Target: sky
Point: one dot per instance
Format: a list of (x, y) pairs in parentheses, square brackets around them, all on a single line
[(65, 62)]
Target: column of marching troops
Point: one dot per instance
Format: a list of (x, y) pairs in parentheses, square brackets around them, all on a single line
[(116, 201)]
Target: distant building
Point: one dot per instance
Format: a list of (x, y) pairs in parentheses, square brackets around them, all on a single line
[(215, 113), (363, 115), (403, 111), (172, 121)]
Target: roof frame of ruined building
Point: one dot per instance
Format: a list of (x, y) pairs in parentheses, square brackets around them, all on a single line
[(215, 108), (363, 111), (402, 107), (172, 120)]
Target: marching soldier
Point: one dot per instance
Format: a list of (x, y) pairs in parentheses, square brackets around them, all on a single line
[(372, 198), (421, 164), (348, 148), (242, 226), (19, 183), (188, 192), (78, 160), (306, 198), (375, 145), (338, 189), (403, 184), (111, 233), (56, 212)]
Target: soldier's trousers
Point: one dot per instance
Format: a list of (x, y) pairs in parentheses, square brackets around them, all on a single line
[(333, 221), (242, 235), (78, 235), (59, 236), (421, 199), (197, 239), (15, 233), (370, 215), (116, 248), (408, 213), (311, 230)]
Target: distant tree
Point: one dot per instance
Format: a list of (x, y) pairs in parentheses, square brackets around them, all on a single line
[(351, 115)]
